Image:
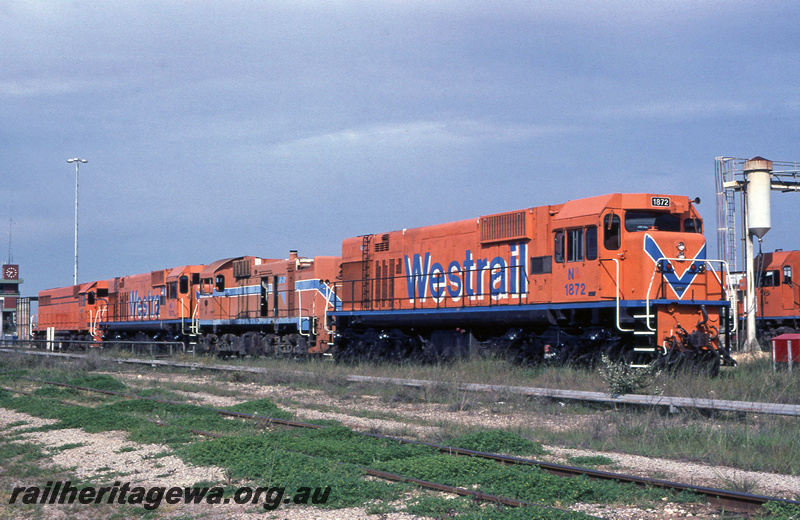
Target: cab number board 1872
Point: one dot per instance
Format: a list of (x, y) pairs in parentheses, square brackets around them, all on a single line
[(659, 202)]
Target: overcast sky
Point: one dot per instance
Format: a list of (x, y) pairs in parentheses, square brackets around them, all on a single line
[(218, 129)]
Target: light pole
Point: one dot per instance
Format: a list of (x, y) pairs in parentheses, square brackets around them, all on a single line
[(77, 165)]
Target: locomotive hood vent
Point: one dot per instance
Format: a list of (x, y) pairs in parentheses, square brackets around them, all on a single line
[(506, 226)]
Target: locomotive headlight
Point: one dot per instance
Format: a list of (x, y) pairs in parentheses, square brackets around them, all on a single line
[(681, 250)]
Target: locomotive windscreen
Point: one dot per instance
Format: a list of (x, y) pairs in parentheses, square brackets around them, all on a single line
[(644, 220)]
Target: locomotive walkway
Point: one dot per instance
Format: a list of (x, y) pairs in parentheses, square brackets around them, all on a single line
[(673, 404)]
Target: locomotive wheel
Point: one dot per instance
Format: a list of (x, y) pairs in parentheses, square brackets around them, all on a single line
[(251, 344), (208, 344)]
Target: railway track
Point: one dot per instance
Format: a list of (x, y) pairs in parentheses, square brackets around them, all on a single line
[(723, 499), (658, 401)]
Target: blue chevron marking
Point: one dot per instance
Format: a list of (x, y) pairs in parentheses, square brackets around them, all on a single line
[(678, 284)]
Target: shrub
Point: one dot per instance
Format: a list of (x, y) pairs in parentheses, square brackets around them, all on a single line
[(622, 378)]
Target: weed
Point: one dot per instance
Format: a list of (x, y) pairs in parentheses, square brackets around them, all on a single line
[(464, 508), (527, 483), (64, 447), (497, 441), (740, 482), (588, 460), (99, 382), (262, 407), (781, 511), (259, 459), (622, 378)]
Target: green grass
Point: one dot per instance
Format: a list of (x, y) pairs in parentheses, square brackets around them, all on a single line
[(497, 441), (590, 460), (465, 508), (522, 482), (261, 407), (262, 460)]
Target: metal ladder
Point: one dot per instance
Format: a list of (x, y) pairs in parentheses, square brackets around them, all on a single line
[(366, 301), (194, 332)]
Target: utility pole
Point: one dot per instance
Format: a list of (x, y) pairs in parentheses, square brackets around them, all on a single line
[(77, 165)]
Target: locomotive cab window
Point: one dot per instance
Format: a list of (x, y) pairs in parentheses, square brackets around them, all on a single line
[(611, 232), (769, 279), (787, 274), (558, 247), (172, 290), (220, 283), (693, 225), (647, 220), (90, 298), (591, 243), (184, 281), (575, 245)]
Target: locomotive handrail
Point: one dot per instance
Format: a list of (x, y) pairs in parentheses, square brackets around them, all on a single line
[(195, 328), (731, 297), (183, 318), (91, 322), (726, 289), (330, 301), (616, 282), (300, 316), (96, 320)]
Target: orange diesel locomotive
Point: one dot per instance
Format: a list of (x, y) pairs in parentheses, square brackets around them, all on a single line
[(236, 306), (255, 306), (625, 274), (777, 294), (156, 305)]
